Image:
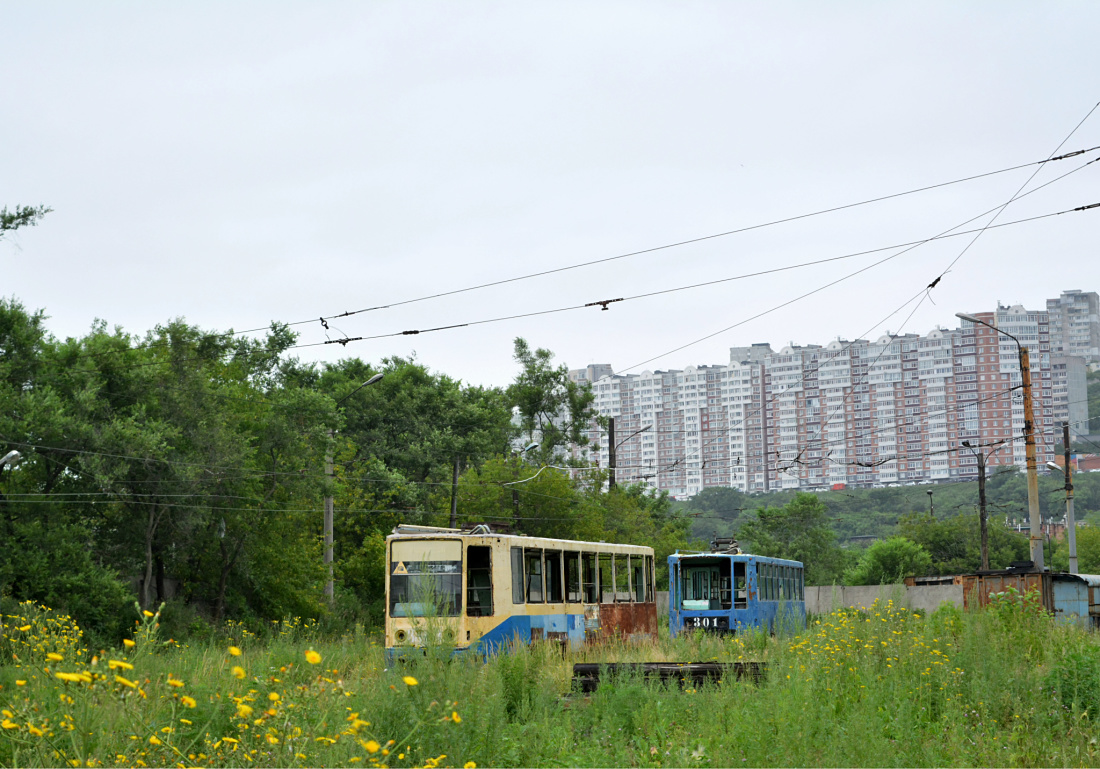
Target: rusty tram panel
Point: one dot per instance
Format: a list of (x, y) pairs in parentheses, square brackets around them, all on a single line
[(978, 587)]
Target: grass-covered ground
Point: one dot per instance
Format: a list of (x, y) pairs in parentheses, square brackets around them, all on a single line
[(1001, 687)]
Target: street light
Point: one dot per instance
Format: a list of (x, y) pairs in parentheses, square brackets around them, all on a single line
[(1036, 535), (931, 507), (11, 458), (1071, 523), (330, 592)]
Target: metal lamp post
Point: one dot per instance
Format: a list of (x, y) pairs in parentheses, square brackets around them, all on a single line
[(329, 585), (1036, 535), (1071, 523)]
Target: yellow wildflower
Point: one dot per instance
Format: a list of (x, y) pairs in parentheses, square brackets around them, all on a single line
[(54, 656), (188, 702), (20, 683), (371, 746), (238, 671), (312, 657), (24, 629), (469, 765), (409, 681), (244, 711), (128, 643), (174, 681), (233, 650), (455, 717), (147, 613), (34, 730), (9, 724), (155, 740), (274, 696), (119, 665), (125, 682)]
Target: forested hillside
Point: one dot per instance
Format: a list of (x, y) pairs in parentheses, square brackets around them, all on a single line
[(189, 465)]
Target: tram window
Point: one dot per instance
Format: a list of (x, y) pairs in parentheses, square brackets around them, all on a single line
[(649, 594), (801, 585), (620, 569), (573, 577), (637, 571), (607, 583), (426, 578), (590, 585), (552, 559), (741, 593), (532, 562), (479, 582), (518, 592)]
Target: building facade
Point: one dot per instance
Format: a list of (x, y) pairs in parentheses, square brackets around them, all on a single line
[(1075, 325), (854, 413)]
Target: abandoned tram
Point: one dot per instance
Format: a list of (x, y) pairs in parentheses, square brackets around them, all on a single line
[(727, 591), (478, 590)]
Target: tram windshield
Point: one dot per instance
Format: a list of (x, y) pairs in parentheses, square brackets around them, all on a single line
[(425, 578)]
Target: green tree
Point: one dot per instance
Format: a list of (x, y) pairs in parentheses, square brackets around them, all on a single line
[(1088, 552), (889, 561), (22, 216), (955, 543), (553, 410), (799, 531)]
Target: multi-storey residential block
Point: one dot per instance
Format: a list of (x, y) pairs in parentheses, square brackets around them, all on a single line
[(894, 410), (1075, 324)]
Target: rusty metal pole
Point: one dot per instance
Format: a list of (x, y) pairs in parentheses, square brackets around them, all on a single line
[(1071, 524), (982, 517), (1036, 535)]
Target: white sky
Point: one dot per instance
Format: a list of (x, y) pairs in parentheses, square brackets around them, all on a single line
[(238, 163)]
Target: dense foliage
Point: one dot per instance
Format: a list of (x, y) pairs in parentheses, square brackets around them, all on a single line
[(189, 466), (1004, 686)]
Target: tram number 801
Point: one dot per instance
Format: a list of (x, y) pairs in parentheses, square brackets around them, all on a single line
[(707, 623)]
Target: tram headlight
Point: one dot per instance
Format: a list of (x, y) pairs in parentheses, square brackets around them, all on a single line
[(401, 636)]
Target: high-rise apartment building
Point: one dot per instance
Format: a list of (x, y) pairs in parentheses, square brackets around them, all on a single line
[(1075, 325), (893, 410)]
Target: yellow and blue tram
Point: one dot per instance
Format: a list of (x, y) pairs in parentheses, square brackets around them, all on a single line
[(727, 591), (479, 590)]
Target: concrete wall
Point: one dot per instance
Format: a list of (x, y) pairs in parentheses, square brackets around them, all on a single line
[(821, 600)]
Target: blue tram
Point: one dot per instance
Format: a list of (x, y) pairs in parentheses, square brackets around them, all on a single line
[(725, 591)]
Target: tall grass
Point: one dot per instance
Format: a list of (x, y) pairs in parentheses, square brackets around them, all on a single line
[(1007, 686)]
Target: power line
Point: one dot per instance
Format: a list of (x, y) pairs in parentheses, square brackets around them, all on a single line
[(679, 243)]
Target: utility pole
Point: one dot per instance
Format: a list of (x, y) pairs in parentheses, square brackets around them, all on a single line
[(931, 507), (454, 496), (610, 453), (982, 518), (1071, 524), (329, 590), (1036, 535)]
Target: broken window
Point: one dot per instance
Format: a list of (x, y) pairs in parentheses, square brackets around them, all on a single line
[(479, 581), (573, 577), (532, 561), (552, 560)]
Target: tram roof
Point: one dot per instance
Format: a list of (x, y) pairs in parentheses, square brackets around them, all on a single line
[(679, 555), (484, 532)]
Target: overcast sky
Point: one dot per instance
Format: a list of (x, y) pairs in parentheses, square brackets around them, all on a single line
[(238, 163)]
